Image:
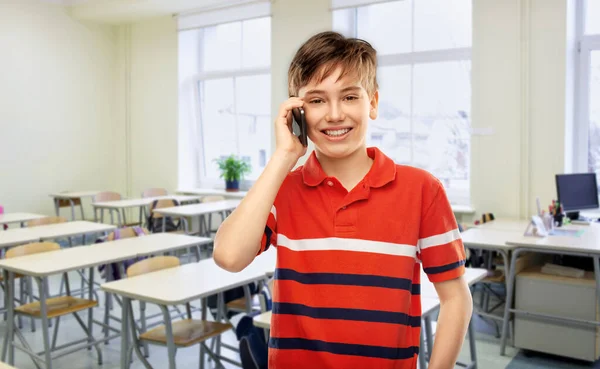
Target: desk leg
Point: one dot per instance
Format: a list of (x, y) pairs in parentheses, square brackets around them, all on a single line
[(44, 316), (510, 284), (422, 360), (56, 207), (597, 275), (428, 336), (90, 321), (10, 307), (125, 333), (472, 347), (72, 209), (169, 333)]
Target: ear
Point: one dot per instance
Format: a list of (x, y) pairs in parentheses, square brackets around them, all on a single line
[(374, 106)]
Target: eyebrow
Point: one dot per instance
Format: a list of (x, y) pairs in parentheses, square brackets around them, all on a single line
[(345, 89)]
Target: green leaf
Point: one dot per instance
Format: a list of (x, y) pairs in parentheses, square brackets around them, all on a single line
[(233, 168)]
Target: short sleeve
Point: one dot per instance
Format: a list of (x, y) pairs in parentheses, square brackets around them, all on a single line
[(440, 245), (270, 236)]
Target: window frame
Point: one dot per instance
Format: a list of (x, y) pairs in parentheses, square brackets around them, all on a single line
[(586, 44), (412, 59), (202, 180)]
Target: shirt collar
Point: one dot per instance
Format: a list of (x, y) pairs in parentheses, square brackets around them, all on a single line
[(382, 172)]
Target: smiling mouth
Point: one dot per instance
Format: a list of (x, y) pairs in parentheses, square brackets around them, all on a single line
[(336, 132)]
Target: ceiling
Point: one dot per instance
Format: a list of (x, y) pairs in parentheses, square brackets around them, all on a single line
[(127, 11)]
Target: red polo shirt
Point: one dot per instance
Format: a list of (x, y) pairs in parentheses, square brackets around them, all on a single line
[(348, 265)]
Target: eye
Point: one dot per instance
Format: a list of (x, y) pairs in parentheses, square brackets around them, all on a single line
[(316, 101), (351, 98)]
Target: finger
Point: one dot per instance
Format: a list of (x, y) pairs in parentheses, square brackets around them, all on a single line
[(287, 106), (288, 119)]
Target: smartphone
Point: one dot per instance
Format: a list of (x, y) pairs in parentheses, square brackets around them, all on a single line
[(299, 125)]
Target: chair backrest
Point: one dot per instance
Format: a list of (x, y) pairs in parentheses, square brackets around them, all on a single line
[(45, 221), (107, 196), (213, 198), (151, 192), (162, 203), (32, 248), (152, 265), (126, 233)]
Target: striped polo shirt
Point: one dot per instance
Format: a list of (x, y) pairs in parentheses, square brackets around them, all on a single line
[(346, 291)]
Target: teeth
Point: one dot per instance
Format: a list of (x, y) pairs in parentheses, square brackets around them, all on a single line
[(337, 132)]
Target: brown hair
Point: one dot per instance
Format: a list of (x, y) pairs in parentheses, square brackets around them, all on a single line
[(324, 52)]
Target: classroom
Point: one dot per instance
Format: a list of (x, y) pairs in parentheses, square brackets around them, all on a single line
[(130, 130)]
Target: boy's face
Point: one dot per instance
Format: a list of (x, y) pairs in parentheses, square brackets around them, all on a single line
[(337, 114)]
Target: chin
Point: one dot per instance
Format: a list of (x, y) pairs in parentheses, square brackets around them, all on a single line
[(337, 151)]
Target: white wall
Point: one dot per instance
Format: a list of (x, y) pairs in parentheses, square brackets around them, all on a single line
[(520, 91), (293, 23), (149, 84), (56, 106)]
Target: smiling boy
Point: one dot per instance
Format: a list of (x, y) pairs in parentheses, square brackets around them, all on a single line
[(351, 228)]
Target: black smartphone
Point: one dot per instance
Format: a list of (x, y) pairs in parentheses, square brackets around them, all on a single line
[(299, 125)]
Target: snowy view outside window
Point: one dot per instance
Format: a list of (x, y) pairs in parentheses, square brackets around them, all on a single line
[(425, 84), (588, 119), (232, 94)]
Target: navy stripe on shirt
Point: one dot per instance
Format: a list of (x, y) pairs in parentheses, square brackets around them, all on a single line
[(372, 316), (268, 234), (344, 279), (444, 268), (393, 353)]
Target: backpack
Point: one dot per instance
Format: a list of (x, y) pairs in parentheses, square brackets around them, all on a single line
[(114, 267), (254, 350), (155, 225)]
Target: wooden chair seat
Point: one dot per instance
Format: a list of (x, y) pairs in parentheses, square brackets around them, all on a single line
[(187, 332), (57, 306), (63, 203), (497, 276), (239, 304)]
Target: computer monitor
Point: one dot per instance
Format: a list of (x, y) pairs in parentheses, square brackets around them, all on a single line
[(577, 192)]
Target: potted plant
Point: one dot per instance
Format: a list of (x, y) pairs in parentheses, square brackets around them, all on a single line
[(232, 169)]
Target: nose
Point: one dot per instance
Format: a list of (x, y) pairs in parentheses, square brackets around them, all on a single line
[(335, 113)]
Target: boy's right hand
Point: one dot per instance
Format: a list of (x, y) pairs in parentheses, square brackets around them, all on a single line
[(287, 143)]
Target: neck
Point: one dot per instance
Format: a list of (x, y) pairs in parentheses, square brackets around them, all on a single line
[(348, 170)]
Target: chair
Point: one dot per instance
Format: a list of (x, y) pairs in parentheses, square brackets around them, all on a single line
[(46, 221), (56, 307), (156, 220), (186, 332), (128, 232), (153, 192), (110, 196)]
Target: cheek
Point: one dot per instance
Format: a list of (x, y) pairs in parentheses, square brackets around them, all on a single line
[(313, 116)]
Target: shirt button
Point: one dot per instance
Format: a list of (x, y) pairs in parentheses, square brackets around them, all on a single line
[(329, 183)]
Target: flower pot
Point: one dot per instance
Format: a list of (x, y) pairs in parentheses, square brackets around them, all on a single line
[(232, 186)]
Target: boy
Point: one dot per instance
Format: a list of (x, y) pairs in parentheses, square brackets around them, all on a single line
[(350, 228)]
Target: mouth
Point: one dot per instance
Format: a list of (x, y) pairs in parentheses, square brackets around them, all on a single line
[(336, 133)]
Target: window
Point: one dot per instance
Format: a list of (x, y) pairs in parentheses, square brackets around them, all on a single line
[(588, 115), (424, 76), (232, 95)]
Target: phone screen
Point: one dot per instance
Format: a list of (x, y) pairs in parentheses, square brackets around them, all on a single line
[(299, 125)]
